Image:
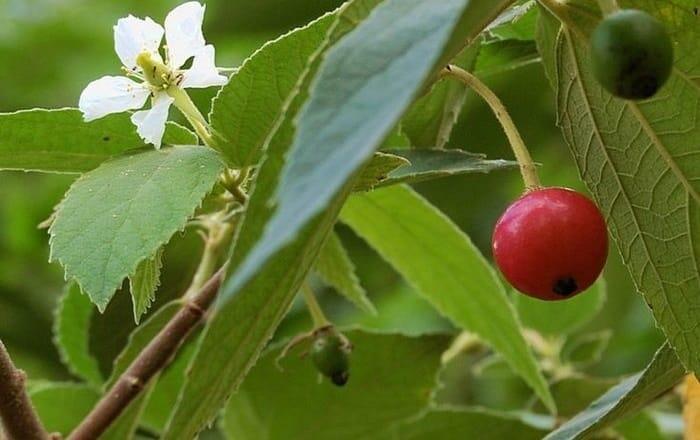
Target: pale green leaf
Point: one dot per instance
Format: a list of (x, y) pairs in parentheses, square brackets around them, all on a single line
[(429, 121), (122, 212), (467, 423), (71, 327), (561, 317), (626, 398), (391, 379), (334, 266), (442, 263), (61, 406), (144, 282), (639, 160), (59, 141)]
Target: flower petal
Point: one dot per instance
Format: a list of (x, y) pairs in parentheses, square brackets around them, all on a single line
[(150, 124), (203, 72), (111, 94), (133, 35), (183, 32)]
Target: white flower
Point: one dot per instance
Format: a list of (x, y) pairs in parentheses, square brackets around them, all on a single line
[(137, 42)]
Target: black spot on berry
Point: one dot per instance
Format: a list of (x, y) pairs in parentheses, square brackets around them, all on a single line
[(340, 378), (565, 286), (106, 138)]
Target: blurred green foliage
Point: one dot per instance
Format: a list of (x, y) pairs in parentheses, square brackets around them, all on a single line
[(52, 48)]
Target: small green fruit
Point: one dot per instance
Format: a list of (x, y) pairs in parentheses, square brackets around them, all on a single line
[(330, 353), (632, 54)]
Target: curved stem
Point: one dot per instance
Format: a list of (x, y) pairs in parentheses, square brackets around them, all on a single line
[(217, 234), (19, 420), (522, 155), (319, 318)]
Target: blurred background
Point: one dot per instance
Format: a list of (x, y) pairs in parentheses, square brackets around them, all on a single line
[(50, 49)]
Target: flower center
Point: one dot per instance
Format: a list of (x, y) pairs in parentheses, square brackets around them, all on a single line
[(155, 72)]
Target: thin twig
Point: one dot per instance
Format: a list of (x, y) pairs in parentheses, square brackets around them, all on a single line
[(19, 420), (156, 356)]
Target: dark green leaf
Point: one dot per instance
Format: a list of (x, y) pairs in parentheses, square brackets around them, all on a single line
[(378, 169), (427, 164), (122, 212), (585, 350), (59, 141)]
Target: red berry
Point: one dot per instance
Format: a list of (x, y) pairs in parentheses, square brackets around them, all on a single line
[(551, 243)]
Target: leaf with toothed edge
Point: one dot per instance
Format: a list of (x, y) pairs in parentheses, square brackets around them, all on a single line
[(639, 159), (144, 282), (121, 213), (416, 41)]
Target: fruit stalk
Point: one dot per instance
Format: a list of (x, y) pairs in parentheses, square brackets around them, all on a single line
[(522, 155), (19, 420), (319, 318)]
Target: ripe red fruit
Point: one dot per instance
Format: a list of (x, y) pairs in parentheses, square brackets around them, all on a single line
[(551, 243)]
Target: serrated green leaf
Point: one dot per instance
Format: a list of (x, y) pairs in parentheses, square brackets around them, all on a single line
[(450, 273), (71, 328), (585, 350), (59, 141), (61, 406), (334, 266), (254, 312), (429, 121), (558, 318), (122, 212), (391, 379), (427, 164), (246, 110), (467, 423), (144, 282), (626, 398), (319, 175), (640, 161), (378, 169)]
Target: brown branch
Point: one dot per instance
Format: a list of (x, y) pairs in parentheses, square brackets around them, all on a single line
[(19, 420), (156, 356)]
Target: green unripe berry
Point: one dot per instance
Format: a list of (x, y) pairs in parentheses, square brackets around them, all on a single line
[(632, 54), (330, 353)]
